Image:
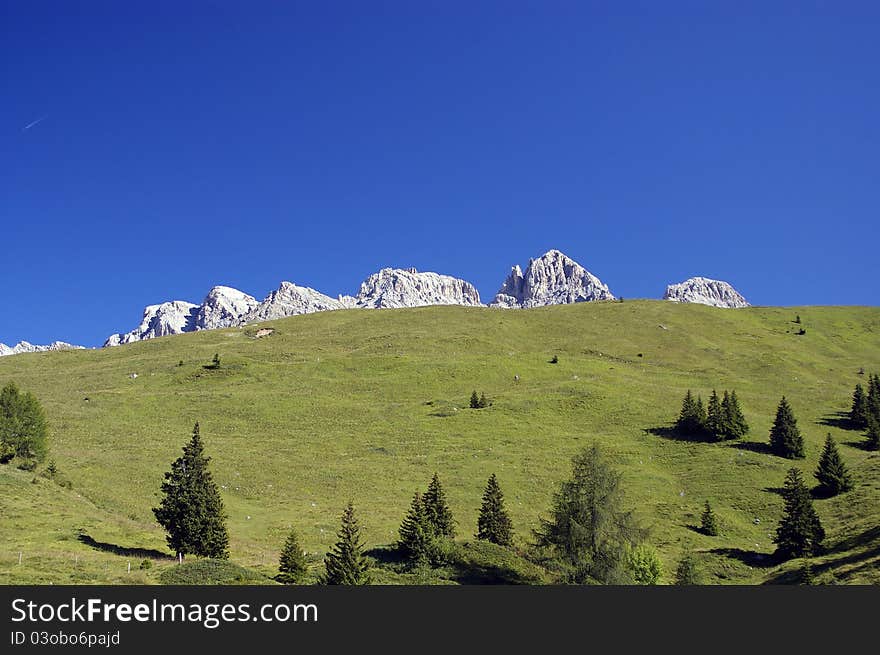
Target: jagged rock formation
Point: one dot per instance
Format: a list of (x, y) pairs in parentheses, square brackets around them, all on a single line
[(172, 317), (396, 287), (25, 347), (223, 307), (290, 300), (552, 279), (705, 291)]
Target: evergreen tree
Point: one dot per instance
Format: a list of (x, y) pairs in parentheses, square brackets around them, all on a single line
[(832, 474), (692, 418), (687, 573), (872, 435), (191, 510), (346, 563), (858, 415), (475, 400), (416, 533), (483, 401), (589, 533), (215, 362), (708, 522), (785, 438), (292, 564), (437, 510), (873, 400), (737, 427), (715, 427), (800, 532), (494, 524), (23, 427)]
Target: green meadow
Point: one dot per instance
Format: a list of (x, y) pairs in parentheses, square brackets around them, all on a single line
[(367, 404)]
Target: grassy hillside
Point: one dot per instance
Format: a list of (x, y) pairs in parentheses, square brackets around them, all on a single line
[(368, 404)]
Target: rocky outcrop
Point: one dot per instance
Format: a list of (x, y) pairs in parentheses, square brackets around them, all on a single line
[(705, 291), (290, 300), (552, 279), (173, 317), (397, 287), (223, 307), (25, 347)]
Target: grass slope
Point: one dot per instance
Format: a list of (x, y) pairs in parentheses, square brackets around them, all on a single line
[(368, 404)]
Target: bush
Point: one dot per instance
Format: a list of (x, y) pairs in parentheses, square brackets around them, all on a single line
[(145, 564)]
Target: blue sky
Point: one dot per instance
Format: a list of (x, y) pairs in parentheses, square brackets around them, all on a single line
[(186, 144)]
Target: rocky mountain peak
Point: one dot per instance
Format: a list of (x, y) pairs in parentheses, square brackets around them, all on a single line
[(290, 300), (174, 317), (25, 347), (551, 279), (705, 291), (222, 307), (399, 287)]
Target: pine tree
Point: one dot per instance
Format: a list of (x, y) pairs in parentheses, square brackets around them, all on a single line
[(437, 510), (737, 427), (416, 533), (872, 435), (346, 563), (858, 415), (475, 400), (24, 429), (800, 532), (494, 524), (708, 522), (715, 428), (692, 418), (215, 362), (589, 533), (483, 401), (831, 473), (872, 403), (687, 573), (292, 564), (191, 510), (785, 438)]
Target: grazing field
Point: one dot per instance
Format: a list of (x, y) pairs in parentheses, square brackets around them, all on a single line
[(368, 404)]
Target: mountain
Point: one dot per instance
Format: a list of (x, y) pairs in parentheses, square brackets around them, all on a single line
[(289, 300), (397, 287), (25, 347), (705, 291), (172, 317), (551, 279), (223, 307)]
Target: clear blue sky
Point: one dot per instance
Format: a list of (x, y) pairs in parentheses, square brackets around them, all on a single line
[(187, 144)]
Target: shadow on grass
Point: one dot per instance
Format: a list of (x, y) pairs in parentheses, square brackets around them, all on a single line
[(673, 434), (747, 557), (122, 550), (779, 491), (753, 447), (861, 445), (839, 420), (386, 556)]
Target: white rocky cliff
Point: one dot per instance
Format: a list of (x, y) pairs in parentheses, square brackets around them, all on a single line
[(25, 347), (172, 317), (705, 291), (551, 279), (289, 300), (398, 287), (222, 307)]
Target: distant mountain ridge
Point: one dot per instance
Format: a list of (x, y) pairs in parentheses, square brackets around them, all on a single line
[(551, 279)]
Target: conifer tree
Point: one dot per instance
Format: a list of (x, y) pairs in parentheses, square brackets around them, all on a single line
[(483, 401), (785, 438), (23, 426), (735, 421), (708, 522), (494, 524), (416, 533), (191, 510), (872, 435), (687, 573), (692, 418), (800, 532), (437, 510), (292, 564), (831, 473), (715, 425), (872, 402), (858, 415), (475, 400), (346, 563)]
